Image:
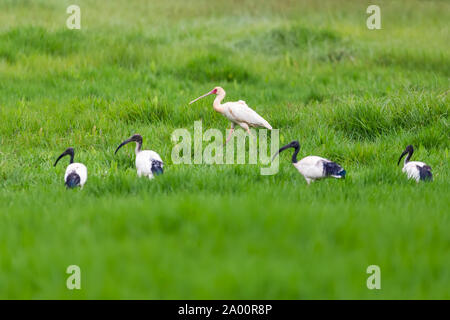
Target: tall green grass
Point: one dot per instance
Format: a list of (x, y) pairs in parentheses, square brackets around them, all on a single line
[(313, 70)]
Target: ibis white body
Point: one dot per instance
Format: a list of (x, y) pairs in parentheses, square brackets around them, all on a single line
[(313, 168), (78, 169), (413, 170)]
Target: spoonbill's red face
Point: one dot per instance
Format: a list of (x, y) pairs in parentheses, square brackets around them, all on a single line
[(216, 90)]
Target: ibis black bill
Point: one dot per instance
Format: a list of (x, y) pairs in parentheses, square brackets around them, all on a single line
[(68, 151), (294, 144), (281, 150), (122, 144)]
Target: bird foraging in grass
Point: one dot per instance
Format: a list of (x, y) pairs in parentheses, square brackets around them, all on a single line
[(76, 173), (148, 162), (237, 112), (416, 170), (312, 167)]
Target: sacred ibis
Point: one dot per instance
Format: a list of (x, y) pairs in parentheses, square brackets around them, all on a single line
[(237, 112), (76, 173), (313, 167), (148, 162), (415, 169)]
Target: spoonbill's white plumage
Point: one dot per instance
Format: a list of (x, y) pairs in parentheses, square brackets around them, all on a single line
[(415, 169), (148, 162), (313, 167), (76, 173), (237, 112)]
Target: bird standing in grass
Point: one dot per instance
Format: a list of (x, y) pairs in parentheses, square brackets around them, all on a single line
[(76, 173), (313, 167), (237, 112), (415, 169), (148, 162)]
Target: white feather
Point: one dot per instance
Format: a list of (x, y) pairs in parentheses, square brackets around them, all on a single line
[(240, 113), (311, 167)]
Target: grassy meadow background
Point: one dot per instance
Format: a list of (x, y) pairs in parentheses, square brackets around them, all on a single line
[(311, 68)]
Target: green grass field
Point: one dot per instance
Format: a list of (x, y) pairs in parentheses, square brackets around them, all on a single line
[(311, 68)]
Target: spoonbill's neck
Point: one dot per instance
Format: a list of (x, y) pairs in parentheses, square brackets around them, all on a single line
[(217, 102)]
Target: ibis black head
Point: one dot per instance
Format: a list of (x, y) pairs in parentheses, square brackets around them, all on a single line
[(408, 150), (68, 151), (134, 138), (294, 144)]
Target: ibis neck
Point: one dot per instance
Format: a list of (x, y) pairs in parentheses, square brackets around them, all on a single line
[(217, 102), (408, 157), (294, 155), (71, 153)]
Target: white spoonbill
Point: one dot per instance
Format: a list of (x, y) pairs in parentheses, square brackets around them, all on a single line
[(76, 173), (415, 170), (148, 162), (237, 112), (313, 167)]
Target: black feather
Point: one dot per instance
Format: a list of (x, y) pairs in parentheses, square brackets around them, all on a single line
[(333, 169), (425, 173), (157, 167)]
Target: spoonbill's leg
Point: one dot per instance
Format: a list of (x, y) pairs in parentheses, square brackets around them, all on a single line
[(231, 132)]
